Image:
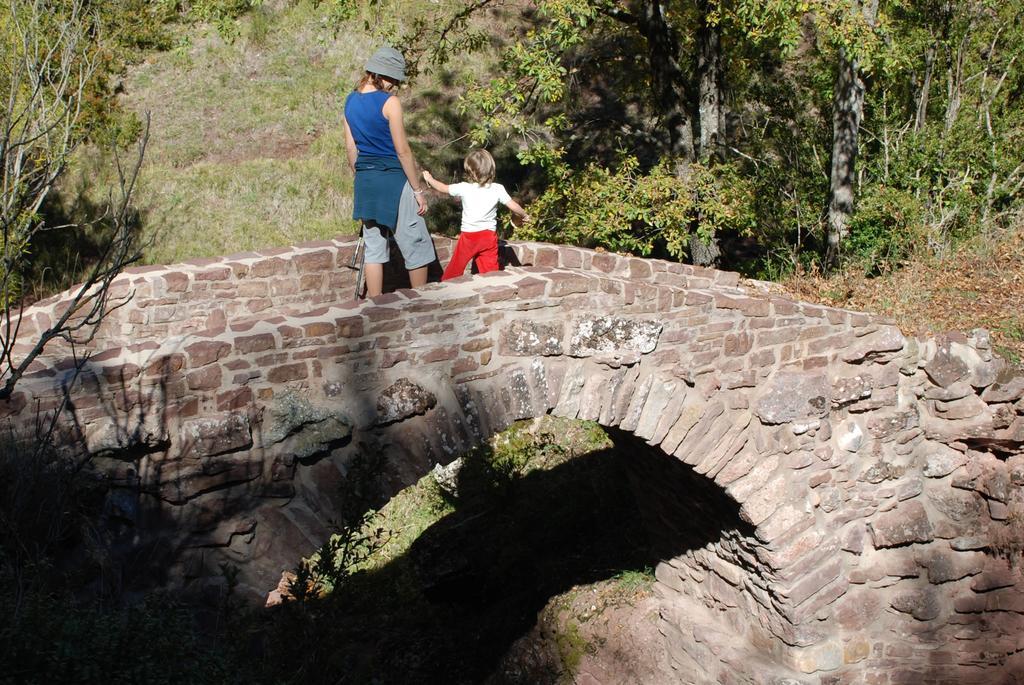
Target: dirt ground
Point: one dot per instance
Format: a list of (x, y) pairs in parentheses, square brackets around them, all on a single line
[(600, 634), (979, 285)]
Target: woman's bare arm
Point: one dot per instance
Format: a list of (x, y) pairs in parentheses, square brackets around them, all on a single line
[(350, 147), (393, 113)]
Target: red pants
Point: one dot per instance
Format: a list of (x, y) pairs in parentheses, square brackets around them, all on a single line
[(481, 246)]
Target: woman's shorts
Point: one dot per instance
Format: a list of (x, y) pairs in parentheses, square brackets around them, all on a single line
[(411, 235)]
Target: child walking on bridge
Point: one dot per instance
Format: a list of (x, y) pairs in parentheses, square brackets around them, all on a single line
[(478, 239)]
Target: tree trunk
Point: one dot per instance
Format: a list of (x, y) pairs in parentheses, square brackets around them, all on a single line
[(847, 110), (922, 100), (667, 78), (710, 118), (709, 75)]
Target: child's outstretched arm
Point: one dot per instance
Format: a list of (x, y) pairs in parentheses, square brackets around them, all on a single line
[(517, 210), (434, 183)]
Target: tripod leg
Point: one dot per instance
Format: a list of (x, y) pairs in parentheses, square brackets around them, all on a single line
[(360, 256)]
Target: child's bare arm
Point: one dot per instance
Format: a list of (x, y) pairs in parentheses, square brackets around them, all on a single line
[(517, 210), (434, 183)]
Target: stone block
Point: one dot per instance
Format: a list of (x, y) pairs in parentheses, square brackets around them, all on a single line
[(609, 335), (349, 327), (1008, 387), (885, 339), (563, 284), (947, 565), (234, 399), (859, 609), (923, 604), (748, 305), (885, 426), (827, 656), (942, 461), (215, 435), (525, 337), (907, 523), (176, 282), (851, 389), (268, 267), (248, 344), (964, 408), (403, 399), (288, 372), (946, 368), (439, 354), (792, 396), (958, 505), (530, 287), (207, 378), (306, 262)]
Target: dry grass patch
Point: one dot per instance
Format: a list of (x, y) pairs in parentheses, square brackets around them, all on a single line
[(981, 284)]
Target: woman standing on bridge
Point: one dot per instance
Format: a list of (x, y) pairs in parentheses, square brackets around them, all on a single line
[(388, 196)]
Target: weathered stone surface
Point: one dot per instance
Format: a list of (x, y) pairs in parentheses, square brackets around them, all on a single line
[(533, 338), (792, 396), (183, 480), (211, 436), (824, 657), (403, 399), (849, 435), (952, 392), (887, 425), (858, 609), (303, 429), (129, 437), (963, 408), (905, 524), (942, 461), (946, 368), (846, 390), (1008, 387), (921, 604), (987, 476), (948, 565), (609, 334), (958, 506), (886, 339)]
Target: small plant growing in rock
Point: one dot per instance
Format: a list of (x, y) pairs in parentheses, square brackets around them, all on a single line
[(357, 539)]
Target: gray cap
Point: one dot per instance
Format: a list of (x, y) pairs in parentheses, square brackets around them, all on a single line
[(387, 62)]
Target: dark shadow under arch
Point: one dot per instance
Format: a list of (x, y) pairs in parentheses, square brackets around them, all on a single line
[(474, 582)]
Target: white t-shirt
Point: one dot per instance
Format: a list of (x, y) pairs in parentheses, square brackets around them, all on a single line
[(479, 205)]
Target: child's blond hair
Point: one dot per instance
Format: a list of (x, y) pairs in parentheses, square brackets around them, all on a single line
[(479, 166)]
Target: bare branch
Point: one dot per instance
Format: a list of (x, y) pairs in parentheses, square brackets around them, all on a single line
[(40, 128)]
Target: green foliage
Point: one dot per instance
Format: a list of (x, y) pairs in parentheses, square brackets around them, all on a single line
[(636, 580), (626, 210), (359, 535), (50, 631), (338, 558), (57, 640)]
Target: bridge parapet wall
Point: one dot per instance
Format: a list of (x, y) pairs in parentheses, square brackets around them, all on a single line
[(878, 476), (205, 294)]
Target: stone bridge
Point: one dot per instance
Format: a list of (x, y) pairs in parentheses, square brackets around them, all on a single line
[(877, 477)]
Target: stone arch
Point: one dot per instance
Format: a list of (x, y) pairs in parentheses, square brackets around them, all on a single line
[(875, 471)]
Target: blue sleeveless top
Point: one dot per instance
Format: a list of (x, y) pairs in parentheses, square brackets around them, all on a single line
[(370, 129)]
